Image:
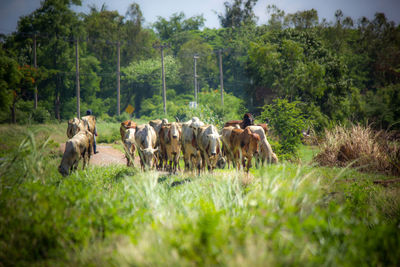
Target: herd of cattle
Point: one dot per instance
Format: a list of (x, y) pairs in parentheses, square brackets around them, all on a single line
[(160, 144)]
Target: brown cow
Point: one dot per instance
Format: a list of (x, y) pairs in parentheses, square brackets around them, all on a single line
[(157, 124), (170, 139), (79, 146), (226, 145), (244, 144)]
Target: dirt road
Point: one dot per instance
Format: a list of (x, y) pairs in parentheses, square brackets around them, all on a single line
[(107, 156)]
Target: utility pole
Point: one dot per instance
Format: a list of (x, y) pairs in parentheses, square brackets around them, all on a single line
[(221, 77), (78, 89), (35, 66), (163, 74), (118, 80), (195, 57)]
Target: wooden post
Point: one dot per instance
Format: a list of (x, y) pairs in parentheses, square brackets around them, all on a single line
[(78, 89), (163, 75), (35, 66), (163, 81), (221, 77), (195, 78), (118, 81)]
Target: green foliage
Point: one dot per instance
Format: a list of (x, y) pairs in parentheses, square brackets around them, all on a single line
[(285, 214), (287, 122), (143, 80), (383, 107), (177, 24), (238, 13)]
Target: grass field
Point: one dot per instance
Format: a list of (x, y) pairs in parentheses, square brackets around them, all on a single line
[(285, 214)]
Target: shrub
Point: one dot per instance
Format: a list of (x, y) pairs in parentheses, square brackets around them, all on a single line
[(287, 123), (361, 147), (40, 115)]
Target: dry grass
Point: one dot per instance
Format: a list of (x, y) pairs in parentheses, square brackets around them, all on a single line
[(360, 147)]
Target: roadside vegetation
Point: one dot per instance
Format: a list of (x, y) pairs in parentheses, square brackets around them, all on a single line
[(289, 213)]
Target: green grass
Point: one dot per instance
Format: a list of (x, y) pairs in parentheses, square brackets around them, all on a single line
[(283, 214)]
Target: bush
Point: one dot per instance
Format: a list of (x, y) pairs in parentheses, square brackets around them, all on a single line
[(287, 123), (40, 115), (362, 148)]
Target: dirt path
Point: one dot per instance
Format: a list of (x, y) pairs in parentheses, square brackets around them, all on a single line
[(107, 156)]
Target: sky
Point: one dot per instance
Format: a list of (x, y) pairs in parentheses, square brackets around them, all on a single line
[(11, 10)]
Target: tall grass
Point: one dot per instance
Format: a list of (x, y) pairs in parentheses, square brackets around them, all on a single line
[(278, 215), (362, 148)]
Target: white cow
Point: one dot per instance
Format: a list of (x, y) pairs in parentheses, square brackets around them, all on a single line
[(129, 145), (208, 141), (191, 153), (79, 146), (145, 139), (265, 152)]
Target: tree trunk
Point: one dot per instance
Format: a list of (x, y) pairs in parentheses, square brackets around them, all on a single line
[(13, 117), (57, 106)]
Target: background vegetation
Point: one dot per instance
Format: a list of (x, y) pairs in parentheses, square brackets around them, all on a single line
[(338, 71)]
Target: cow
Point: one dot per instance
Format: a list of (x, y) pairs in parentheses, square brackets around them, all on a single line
[(248, 120), (145, 141), (129, 146), (170, 139), (265, 150), (91, 122), (226, 145), (208, 141), (125, 125), (74, 126), (79, 146), (264, 126), (157, 124), (244, 145), (190, 151)]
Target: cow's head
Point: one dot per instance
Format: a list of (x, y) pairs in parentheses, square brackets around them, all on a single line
[(63, 170), (129, 141), (148, 156), (175, 131), (213, 148)]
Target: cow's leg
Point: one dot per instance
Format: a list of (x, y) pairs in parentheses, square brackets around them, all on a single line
[(248, 163), (84, 156)]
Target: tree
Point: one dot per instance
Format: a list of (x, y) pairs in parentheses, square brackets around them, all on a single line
[(176, 24), (56, 24), (143, 79), (302, 19), (238, 13), (207, 70), (10, 77)]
